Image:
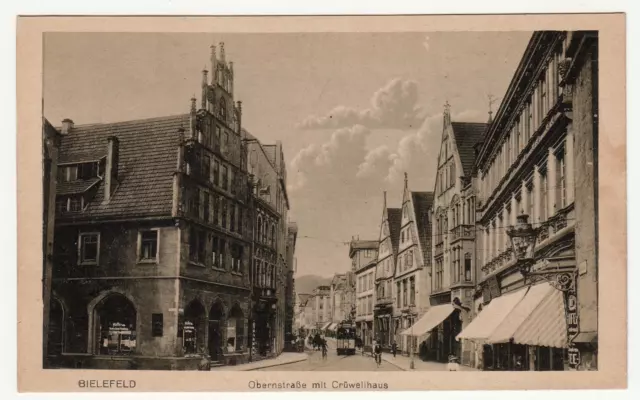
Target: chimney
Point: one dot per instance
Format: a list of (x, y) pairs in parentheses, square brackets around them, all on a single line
[(111, 170), (67, 126)]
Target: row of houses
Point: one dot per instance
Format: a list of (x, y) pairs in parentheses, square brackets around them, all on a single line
[(326, 306), (444, 279), (167, 239)]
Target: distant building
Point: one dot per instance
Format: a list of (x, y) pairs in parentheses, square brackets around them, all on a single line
[(364, 254), (321, 307), (411, 278), (385, 271)]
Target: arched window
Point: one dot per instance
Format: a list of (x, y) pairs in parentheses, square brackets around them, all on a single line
[(216, 326), (193, 327), (116, 323)]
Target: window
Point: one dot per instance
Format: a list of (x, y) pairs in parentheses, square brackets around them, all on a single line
[(75, 203), (89, 248), (240, 220), (218, 136), (148, 245), (232, 217), (404, 292), (87, 170), (206, 166), (452, 173), (273, 235), (216, 209), (225, 142), (157, 325), (412, 293), (205, 206), (214, 252), (543, 98), (222, 261), (467, 267), (225, 177), (561, 196), (232, 182), (216, 172), (62, 204), (398, 294), (410, 256), (223, 217), (70, 173), (222, 108), (402, 235)]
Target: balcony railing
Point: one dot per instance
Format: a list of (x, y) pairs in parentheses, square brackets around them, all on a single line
[(384, 300), (463, 232), (439, 249), (553, 225), (498, 261)]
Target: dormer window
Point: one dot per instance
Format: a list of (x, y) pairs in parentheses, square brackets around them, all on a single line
[(82, 171), (66, 204)]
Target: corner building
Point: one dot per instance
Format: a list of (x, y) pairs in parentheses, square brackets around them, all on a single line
[(527, 169), (153, 245)]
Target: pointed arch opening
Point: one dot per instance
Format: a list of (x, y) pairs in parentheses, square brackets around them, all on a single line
[(235, 330), (56, 334), (193, 328), (115, 324), (216, 327)]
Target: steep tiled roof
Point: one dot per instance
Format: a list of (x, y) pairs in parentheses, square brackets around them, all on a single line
[(467, 135), (394, 216), (270, 151), (364, 244), (147, 159), (422, 202), (74, 187)]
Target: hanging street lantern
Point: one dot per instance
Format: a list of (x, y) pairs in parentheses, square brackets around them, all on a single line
[(523, 243)]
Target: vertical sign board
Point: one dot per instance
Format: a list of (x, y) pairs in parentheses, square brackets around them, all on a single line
[(571, 315)]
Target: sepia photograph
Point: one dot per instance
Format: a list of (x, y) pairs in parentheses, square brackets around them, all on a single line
[(410, 201)]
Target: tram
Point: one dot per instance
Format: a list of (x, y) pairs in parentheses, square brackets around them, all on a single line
[(346, 338)]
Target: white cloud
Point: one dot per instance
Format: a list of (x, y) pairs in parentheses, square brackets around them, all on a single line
[(394, 106)]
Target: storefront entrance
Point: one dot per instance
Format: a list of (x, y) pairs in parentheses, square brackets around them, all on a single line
[(193, 329), (116, 326), (216, 319), (56, 328)]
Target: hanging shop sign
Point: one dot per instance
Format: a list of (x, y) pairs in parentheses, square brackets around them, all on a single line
[(568, 283)]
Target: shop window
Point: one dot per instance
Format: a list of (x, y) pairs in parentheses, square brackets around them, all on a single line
[(116, 320), (191, 328), (89, 248), (235, 330), (148, 245), (157, 325)]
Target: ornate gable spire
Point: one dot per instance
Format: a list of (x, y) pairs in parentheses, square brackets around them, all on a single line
[(447, 113)]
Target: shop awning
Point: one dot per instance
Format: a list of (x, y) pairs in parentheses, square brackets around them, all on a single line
[(546, 326), (488, 320), (325, 326), (333, 326), (520, 313), (429, 320)]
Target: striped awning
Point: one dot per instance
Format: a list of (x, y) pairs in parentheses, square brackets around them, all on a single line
[(481, 328), (429, 320), (520, 313), (333, 326), (546, 326), (325, 326)]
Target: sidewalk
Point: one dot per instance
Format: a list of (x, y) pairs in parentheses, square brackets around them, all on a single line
[(403, 362), (282, 359)]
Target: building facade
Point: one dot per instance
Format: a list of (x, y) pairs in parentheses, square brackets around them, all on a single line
[(363, 255), (156, 229), (271, 273), (527, 170), (385, 272), (453, 259), (411, 280), (321, 307), (290, 294), (50, 149)]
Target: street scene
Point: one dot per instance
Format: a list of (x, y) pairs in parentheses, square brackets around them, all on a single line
[(321, 201)]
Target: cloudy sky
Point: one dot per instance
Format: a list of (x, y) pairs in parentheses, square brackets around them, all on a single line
[(354, 110)]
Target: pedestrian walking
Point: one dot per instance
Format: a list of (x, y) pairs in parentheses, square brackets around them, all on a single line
[(453, 365), (394, 348)]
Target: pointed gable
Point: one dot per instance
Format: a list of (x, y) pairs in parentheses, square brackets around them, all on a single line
[(467, 135), (394, 217), (422, 202)]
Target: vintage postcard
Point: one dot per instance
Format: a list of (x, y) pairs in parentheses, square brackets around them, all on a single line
[(392, 203)]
